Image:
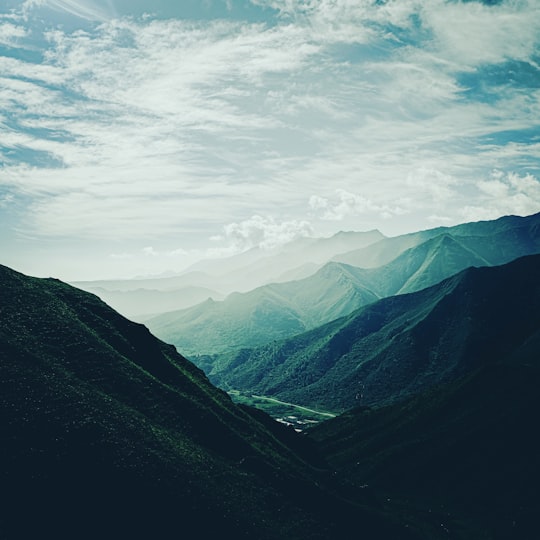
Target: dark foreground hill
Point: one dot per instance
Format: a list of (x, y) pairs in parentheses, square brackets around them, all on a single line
[(398, 346), (109, 433), (464, 456)]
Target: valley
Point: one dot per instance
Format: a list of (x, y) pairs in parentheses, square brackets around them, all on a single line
[(269, 270), (296, 416), (410, 413)]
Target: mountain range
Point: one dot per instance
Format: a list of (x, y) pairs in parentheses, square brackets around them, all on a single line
[(279, 310), (397, 346), (109, 432), (141, 298)]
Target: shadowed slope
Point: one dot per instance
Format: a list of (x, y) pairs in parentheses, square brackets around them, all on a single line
[(465, 455), (107, 432)]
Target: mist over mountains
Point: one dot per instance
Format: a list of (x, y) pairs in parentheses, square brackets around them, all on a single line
[(279, 310), (215, 278)]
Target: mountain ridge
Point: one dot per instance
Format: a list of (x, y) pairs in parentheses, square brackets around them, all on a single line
[(338, 288), (396, 346)]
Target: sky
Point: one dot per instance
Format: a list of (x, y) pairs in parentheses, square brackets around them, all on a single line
[(139, 136)]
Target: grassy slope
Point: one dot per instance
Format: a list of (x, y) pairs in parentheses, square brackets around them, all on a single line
[(108, 432)]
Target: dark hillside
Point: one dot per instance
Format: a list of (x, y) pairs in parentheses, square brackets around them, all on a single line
[(109, 433), (466, 453)]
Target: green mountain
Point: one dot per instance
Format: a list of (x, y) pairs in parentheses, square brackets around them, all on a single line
[(464, 456), (398, 346), (281, 310), (108, 432), (382, 252), (267, 313)]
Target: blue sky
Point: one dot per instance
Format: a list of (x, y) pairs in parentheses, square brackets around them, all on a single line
[(137, 136)]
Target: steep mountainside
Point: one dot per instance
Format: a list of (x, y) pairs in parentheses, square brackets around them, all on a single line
[(108, 432), (282, 310), (465, 454), (397, 346)]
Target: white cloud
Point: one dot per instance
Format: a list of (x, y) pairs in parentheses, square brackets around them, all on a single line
[(318, 203), (11, 34), (264, 232), (85, 9), (167, 128), (505, 193), (351, 204), (344, 21), (436, 185), (6, 200), (436, 219), (472, 33), (149, 251)]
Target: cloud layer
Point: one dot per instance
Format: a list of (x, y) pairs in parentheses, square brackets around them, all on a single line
[(322, 115)]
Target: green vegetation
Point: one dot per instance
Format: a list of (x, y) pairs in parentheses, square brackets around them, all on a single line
[(108, 432), (397, 346), (465, 454)]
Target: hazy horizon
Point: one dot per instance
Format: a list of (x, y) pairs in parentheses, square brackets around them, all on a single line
[(137, 137)]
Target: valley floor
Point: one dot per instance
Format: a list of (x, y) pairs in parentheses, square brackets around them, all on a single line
[(296, 416)]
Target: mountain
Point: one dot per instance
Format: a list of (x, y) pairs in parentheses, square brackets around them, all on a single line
[(382, 252), (141, 304), (141, 298), (465, 455), (397, 346), (108, 432), (259, 266), (267, 313), (278, 311)]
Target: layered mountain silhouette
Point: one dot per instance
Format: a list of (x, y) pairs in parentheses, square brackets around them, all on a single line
[(384, 251), (108, 432), (279, 310), (267, 313), (397, 346), (141, 304)]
